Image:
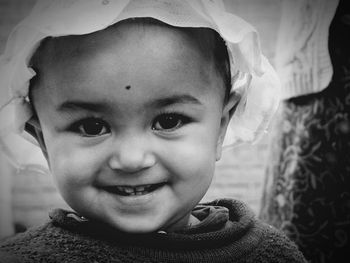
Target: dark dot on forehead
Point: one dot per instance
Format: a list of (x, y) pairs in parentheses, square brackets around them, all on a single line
[(128, 87)]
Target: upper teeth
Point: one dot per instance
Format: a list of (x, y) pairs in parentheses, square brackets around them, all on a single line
[(130, 189), (133, 190), (140, 188)]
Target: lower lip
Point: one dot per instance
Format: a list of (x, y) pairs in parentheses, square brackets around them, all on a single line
[(137, 200)]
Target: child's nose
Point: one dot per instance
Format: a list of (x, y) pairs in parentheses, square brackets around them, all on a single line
[(132, 154)]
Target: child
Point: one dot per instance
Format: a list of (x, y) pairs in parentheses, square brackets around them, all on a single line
[(130, 102)]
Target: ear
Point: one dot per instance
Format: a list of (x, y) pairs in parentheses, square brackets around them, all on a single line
[(227, 112), (33, 127)]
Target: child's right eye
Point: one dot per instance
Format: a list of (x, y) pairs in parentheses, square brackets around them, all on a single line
[(91, 127)]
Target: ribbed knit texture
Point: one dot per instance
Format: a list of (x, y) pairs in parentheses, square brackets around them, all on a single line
[(69, 239)]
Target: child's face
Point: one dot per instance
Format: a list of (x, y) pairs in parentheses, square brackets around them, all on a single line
[(133, 120)]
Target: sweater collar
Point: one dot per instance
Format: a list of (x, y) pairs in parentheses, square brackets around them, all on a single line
[(211, 218), (224, 220)]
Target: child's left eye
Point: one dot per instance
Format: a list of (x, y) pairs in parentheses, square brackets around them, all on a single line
[(169, 122)]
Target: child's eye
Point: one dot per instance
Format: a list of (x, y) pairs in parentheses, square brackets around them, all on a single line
[(169, 122), (91, 127)]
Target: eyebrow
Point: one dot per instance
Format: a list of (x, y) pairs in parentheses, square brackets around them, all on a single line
[(75, 105), (175, 99)]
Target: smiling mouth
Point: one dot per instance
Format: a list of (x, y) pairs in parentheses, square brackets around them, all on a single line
[(132, 190)]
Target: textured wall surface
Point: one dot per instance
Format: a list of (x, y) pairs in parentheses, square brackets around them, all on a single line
[(239, 174)]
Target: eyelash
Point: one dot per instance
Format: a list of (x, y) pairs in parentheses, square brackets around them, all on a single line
[(177, 116), (78, 128), (104, 128)]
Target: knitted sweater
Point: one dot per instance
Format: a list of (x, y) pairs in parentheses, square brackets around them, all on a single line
[(68, 238)]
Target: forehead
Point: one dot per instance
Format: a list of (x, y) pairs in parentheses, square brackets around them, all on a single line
[(68, 50), (131, 53)]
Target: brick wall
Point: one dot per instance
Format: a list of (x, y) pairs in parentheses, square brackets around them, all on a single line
[(239, 174)]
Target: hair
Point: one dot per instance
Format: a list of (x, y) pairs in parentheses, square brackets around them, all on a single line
[(210, 42)]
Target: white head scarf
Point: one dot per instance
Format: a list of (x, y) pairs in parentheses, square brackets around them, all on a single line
[(257, 81)]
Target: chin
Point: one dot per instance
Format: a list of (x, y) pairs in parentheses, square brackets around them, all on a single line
[(136, 227)]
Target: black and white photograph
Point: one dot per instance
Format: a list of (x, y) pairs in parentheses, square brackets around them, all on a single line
[(175, 131)]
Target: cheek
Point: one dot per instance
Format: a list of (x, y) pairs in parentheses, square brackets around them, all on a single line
[(73, 166), (192, 171), (194, 158), (198, 156)]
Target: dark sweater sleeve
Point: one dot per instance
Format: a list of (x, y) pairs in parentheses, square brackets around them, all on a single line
[(276, 247)]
